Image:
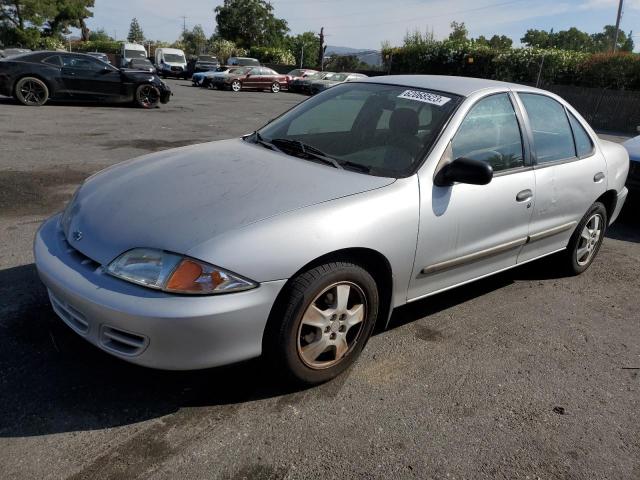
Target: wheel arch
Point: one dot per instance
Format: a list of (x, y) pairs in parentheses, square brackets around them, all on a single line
[(371, 260), (609, 200), (33, 75)]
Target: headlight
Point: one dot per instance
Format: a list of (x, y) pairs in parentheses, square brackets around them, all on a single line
[(175, 273)]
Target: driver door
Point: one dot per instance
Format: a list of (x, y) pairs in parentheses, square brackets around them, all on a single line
[(87, 77), (469, 231)]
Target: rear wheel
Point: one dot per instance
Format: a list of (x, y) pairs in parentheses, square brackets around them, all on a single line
[(587, 239), (147, 96), (275, 87), (325, 323), (236, 86), (32, 92)]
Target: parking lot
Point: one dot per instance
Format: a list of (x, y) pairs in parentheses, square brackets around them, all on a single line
[(528, 374)]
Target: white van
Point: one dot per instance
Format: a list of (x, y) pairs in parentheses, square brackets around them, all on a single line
[(131, 51), (171, 62)]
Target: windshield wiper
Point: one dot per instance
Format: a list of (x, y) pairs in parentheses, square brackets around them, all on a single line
[(355, 166), (260, 140), (308, 151)]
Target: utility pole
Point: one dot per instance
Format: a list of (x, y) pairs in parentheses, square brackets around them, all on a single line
[(184, 24), (615, 38), (321, 52), (302, 55)]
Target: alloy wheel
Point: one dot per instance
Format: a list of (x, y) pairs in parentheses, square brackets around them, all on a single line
[(236, 86), (148, 96), (33, 92), (331, 325), (589, 240)]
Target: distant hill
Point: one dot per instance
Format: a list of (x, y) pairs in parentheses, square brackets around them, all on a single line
[(370, 57)]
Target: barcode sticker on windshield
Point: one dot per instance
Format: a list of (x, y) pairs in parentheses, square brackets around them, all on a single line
[(425, 97)]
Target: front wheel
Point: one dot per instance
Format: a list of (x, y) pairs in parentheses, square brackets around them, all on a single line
[(329, 314), (587, 239), (275, 87), (147, 96), (236, 86), (32, 92)]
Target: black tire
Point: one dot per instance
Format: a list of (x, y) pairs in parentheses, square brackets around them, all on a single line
[(577, 263), (31, 91), (286, 332), (275, 87), (236, 85), (147, 96)]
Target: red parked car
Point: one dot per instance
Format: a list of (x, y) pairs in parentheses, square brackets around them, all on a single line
[(298, 74), (256, 78)]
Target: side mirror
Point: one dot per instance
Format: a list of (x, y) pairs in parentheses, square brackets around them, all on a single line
[(464, 170)]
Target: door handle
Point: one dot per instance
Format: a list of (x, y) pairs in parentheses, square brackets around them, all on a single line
[(524, 196), (598, 177)]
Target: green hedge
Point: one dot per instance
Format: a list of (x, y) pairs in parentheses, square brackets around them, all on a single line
[(280, 56), (522, 65), (103, 46)]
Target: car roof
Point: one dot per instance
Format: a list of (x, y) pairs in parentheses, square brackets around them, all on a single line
[(463, 86)]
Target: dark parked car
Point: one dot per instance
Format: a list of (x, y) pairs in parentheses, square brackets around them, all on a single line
[(35, 78), (203, 63), (633, 179), (303, 85), (100, 56), (142, 64), (257, 78), (321, 85), (298, 74)]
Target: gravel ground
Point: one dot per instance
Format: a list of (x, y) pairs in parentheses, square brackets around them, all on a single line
[(527, 374)]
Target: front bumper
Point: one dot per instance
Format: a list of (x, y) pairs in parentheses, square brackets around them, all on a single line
[(149, 327)]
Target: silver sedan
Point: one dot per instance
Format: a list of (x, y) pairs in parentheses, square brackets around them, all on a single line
[(295, 241)]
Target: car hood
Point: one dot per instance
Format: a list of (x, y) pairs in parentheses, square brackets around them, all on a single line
[(633, 147), (176, 199)]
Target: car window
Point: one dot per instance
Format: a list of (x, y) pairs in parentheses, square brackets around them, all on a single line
[(53, 60), (334, 115), (82, 63), (552, 136), (584, 145), (490, 132)]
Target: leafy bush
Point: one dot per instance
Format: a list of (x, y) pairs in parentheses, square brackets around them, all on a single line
[(277, 55), (522, 65), (103, 46)]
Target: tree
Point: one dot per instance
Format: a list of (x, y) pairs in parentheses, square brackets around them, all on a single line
[(69, 13), (136, 35), (306, 43), (343, 63), (250, 23), (537, 38), (603, 41), (628, 45), (459, 32), (573, 39), (223, 49), (497, 42), (100, 35), (194, 41), (25, 22)]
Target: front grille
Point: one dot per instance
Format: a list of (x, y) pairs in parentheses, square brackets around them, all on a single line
[(122, 342), (176, 69), (70, 315)]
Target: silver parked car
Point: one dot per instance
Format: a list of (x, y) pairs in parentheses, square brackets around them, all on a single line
[(294, 241)]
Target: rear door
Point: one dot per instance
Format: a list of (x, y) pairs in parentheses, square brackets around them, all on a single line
[(569, 173)]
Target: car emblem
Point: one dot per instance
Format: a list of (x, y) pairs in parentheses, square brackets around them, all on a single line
[(77, 235)]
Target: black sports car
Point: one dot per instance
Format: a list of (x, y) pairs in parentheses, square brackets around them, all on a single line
[(35, 78)]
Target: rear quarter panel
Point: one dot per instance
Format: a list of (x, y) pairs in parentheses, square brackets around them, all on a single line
[(617, 159)]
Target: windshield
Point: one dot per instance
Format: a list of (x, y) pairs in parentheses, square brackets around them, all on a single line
[(173, 58), (338, 77), (207, 58), (383, 130), (135, 54), (295, 73)]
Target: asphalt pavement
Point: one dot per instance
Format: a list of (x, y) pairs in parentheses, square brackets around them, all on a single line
[(528, 374)]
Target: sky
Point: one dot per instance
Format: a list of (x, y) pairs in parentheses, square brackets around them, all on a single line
[(366, 23)]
